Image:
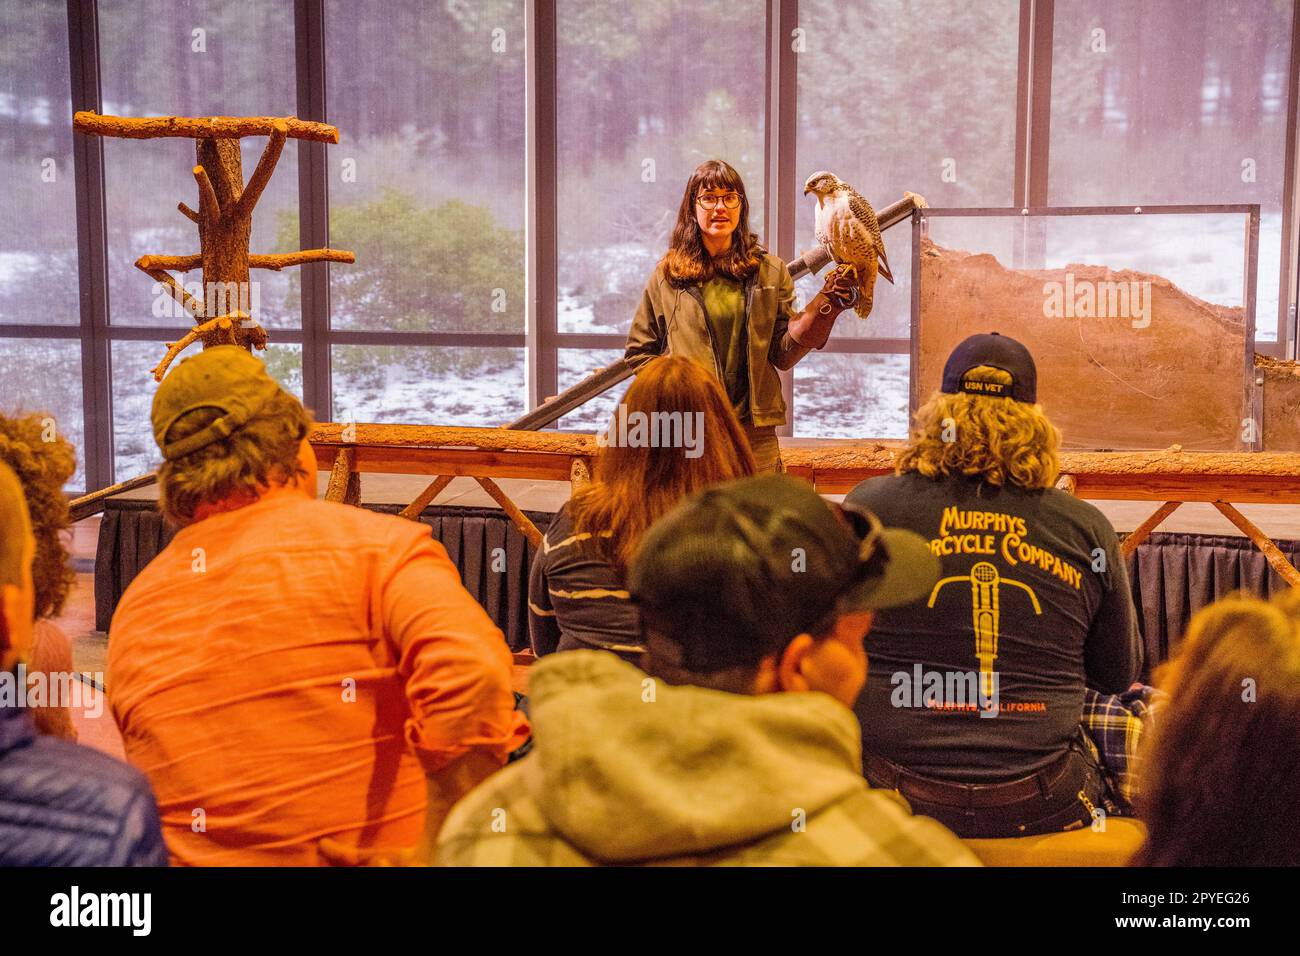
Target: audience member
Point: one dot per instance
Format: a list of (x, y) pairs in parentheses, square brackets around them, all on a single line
[(289, 670), (44, 461), (673, 433), (61, 804), (736, 745), (1220, 781), (1032, 607)]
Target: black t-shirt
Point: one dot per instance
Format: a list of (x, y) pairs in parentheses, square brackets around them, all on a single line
[(1032, 604)]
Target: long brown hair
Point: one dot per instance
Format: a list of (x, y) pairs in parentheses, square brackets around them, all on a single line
[(687, 262), (634, 486), (1220, 780)]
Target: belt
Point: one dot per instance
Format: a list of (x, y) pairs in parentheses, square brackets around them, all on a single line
[(964, 795)]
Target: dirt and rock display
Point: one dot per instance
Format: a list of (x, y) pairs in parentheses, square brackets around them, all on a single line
[(1126, 360)]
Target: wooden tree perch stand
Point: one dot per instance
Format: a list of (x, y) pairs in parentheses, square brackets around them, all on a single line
[(204, 127), (224, 217)]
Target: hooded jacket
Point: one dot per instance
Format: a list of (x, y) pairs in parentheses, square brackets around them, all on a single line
[(629, 770), (672, 321)]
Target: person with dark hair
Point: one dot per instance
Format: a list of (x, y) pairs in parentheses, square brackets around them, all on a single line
[(577, 595), (973, 709), (735, 745), (61, 804), (1220, 778), (303, 681), (718, 297), (44, 460)]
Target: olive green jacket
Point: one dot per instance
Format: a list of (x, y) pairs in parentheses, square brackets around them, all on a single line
[(671, 321)]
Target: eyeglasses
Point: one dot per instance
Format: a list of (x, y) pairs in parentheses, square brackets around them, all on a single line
[(730, 200)]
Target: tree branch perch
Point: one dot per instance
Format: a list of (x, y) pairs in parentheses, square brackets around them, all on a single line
[(284, 259), (265, 167), (209, 127), (208, 205)]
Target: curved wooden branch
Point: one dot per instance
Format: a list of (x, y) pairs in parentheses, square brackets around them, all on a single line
[(284, 259), (193, 305), (220, 322), (265, 167), (187, 212), (209, 127), (170, 263), (208, 205)]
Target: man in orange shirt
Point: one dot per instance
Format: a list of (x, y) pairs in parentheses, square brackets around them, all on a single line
[(289, 670)]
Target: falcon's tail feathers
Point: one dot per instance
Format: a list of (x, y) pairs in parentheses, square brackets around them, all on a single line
[(883, 266)]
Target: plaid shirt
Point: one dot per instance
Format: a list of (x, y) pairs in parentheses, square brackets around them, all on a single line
[(1116, 722)]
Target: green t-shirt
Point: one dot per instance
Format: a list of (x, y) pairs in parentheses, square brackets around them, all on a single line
[(724, 306)]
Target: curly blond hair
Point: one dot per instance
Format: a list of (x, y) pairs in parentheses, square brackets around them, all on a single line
[(43, 460), (263, 453), (998, 440)]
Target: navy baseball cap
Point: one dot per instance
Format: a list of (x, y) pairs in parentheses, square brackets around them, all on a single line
[(997, 351)]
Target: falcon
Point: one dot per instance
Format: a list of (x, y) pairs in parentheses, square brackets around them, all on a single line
[(846, 225)]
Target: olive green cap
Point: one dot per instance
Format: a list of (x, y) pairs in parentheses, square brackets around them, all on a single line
[(225, 377)]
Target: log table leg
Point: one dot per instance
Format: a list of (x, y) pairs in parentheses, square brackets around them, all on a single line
[(1276, 559), (521, 520), (1143, 531), (424, 498), (345, 483), (579, 474)]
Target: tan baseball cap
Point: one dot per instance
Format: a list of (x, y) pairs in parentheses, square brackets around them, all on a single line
[(225, 377)]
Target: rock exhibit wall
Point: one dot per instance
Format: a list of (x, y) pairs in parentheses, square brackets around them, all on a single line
[(1126, 360), (1281, 403)]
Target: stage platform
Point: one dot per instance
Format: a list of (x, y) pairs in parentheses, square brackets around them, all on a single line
[(1196, 557)]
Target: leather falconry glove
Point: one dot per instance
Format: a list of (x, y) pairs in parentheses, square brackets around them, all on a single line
[(811, 328)]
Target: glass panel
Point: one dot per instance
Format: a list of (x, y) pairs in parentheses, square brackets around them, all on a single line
[(427, 184), (220, 59), (134, 451), (38, 227), (427, 386), (646, 92), (1170, 102), (44, 375), (851, 396), (891, 108), (574, 366), (1108, 306)]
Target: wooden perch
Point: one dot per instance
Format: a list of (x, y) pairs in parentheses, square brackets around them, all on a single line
[(209, 127), (208, 205), (171, 263), (224, 217), (222, 325), (265, 167), (284, 259), (194, 307)]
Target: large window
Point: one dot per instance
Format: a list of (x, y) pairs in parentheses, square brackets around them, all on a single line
[(890, 108), (427, 188), (646, 92), (443, 317), (218, 59), (38, 225), (1172, 102)]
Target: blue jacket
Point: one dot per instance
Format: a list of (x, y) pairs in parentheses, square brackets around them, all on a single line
[(62, 804)]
